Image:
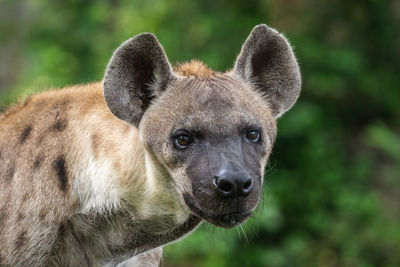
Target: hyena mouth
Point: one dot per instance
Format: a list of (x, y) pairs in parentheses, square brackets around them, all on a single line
[(226, 220)]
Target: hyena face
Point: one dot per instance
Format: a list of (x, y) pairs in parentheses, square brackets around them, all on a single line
[(214, 136), (207, 134)]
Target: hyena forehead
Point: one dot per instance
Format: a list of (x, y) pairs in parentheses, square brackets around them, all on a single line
[(219, 103)]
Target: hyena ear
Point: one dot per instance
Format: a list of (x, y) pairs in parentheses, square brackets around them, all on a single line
[(137, 73), (267, 62)]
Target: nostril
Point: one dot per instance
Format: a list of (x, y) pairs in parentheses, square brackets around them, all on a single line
[(225, 186), (247, 187), (247, 184)]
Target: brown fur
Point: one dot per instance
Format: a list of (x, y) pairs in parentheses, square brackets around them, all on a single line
[(41, 137), (194, 68), (89, 174), (30, 143)]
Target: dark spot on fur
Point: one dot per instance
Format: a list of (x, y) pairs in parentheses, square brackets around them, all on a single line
[(61, 105), (25, 134), (10, 172), (3, 216), (60, 122), (60, 125), (21, 240), (40, 104), (61, 229), (37, 162), (61, 169), (26, 197), (42, 214), (95, 143), (20, 217)]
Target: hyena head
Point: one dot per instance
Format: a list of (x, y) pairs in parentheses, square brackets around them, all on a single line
[(209, 134)]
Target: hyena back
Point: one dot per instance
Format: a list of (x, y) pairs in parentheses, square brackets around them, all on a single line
[(96, 174)]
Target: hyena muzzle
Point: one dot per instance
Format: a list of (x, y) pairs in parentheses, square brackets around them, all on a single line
[(104, 174)]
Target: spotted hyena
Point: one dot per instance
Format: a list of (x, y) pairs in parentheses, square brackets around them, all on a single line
[(108, 172)]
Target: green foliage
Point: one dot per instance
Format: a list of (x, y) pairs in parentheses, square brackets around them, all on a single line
[(332, 188)]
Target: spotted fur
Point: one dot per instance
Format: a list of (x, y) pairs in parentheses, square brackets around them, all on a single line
[(89, 175)]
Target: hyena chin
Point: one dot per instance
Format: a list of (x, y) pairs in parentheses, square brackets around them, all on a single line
[(104, 174)]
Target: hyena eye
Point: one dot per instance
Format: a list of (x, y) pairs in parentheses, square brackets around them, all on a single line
[(182, 141), (253, 136)]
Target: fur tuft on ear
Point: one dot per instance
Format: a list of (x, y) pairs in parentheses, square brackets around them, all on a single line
[(137, 73), (267, 62)]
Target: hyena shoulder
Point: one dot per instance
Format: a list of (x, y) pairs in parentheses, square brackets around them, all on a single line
[(36, 142)]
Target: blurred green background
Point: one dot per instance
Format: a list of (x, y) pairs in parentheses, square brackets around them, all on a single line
[(332, 189)]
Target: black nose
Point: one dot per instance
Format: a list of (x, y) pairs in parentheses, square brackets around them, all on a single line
[(229, 185)]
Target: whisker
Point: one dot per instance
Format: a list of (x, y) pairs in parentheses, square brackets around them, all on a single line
[(244, 233), (237, 228)]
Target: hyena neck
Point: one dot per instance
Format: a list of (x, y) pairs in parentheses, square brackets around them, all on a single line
[(122, 199), (115, 169)]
